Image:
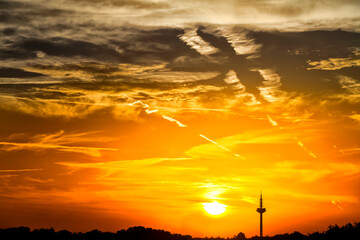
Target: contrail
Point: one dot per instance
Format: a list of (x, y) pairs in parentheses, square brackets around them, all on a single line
[(174, 120), (337, 203), (303, 146), (139, 102), (148, 110), (221, 146), (272, 121)]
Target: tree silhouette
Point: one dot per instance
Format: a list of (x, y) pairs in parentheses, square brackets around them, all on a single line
[(240, 236), (346, 232)]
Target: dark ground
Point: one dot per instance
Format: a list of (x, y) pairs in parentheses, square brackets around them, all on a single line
[(348, 231)]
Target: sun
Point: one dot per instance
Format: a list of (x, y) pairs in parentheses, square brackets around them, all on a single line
[(214, 208)]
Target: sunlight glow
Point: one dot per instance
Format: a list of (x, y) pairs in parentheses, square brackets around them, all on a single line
[(214, 208)]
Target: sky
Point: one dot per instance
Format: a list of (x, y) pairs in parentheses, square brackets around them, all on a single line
[(123, 113)]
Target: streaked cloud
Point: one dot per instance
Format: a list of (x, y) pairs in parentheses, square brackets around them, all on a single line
[(191, 38), (233, 81), (351, 85), (337, 63), (58, 141), (20, 170), (239, 40), (272, 82), (89, 71), (92, 151), (120, 165)]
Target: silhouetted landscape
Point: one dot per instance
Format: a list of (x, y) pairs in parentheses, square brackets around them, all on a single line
[(348, 231), (235, 119)]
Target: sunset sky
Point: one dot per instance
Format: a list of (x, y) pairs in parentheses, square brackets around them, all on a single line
[(158, 113)]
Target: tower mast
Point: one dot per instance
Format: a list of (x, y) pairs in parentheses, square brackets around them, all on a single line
[(261, 210)]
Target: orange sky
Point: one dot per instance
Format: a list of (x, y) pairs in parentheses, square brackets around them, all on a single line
[(107, 124)]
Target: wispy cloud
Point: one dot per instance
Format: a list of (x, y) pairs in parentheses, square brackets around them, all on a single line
[(92, 151), (92, 72), (272, 82), (60, 141), (239, 39), (336, 63), (122, 164), (233, 81), (279, 14), (20, 170), (351, 85), (131, 167), (191, 38)]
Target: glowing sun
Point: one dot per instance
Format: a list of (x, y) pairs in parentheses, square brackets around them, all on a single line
[(214, 208)]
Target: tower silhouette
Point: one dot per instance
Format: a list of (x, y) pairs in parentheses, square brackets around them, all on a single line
[(261, 210)]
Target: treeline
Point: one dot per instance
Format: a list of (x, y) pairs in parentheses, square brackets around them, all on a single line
[(334, 232), (346, 232), (132, 233)]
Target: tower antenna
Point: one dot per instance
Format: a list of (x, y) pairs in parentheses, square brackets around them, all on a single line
[(261, 210)]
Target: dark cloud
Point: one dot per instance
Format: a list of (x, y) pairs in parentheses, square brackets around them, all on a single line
[(154, 45), (296, 8), (70, 48), (288, 53), (17, 73), (18, 12), (13, 5), (137, 4), (89, 67), (16, 54), (315, 44), (9, 31), (146, 47), (90, 60)]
